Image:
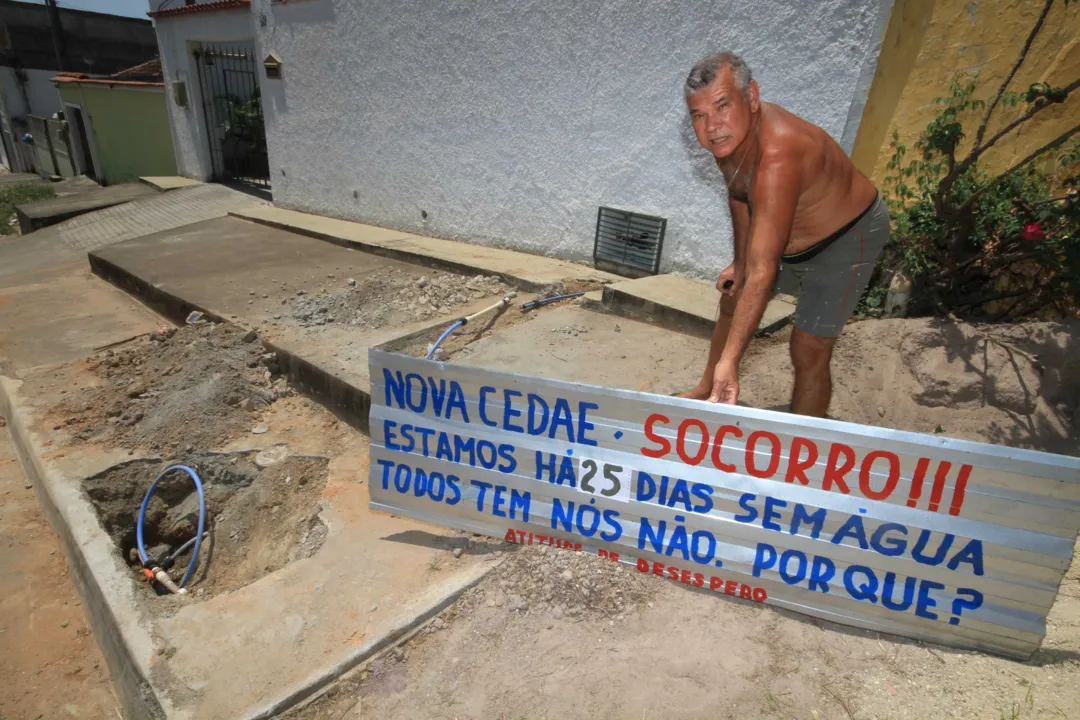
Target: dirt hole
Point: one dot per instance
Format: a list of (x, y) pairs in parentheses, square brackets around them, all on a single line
[(258, 520)]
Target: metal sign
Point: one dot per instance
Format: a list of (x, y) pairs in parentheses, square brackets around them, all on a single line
[(945, 540)]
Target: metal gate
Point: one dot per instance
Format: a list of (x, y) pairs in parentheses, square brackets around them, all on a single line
[(233, 112)]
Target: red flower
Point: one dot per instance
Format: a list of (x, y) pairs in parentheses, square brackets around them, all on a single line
[(1033, 232)]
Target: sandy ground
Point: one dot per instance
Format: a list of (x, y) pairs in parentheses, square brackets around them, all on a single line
[(50, 665), (505, 652)]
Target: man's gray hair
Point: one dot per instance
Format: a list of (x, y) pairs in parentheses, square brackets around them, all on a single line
[(707, 68)]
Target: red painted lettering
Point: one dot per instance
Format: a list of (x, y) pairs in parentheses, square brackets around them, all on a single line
[(685, 577), (715, 582), (510, 537), (958, 491), (797, 468), (751, 452), (680, 441), (940, 477), (658, 569), (745, 592), (834, 473), (699, 580), (521, 536), (730, 587), (760, 595), (663, 443), (718, 443), (642, 565), (673, 573), (917, 481), (890, 482)]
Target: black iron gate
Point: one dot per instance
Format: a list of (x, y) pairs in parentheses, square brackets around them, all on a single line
[(233, 112)]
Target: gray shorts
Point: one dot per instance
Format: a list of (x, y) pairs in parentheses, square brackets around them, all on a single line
[(829, 278)]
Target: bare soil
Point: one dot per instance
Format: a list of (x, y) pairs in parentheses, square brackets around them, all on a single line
[(530, 642), (50, 665), (686, 654), (258, 520), (187, 388), (1012, 385)]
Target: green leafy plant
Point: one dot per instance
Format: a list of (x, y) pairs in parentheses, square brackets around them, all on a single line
[(993, 244), (17, 194)]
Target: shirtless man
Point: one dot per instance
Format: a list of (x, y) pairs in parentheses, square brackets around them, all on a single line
[(806, 222)]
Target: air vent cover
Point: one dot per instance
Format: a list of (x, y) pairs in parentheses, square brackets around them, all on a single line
[(628, 243)]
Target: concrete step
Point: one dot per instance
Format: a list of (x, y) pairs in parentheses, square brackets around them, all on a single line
[(527, 272), (691, 305), (86, 197), (165, 183), (21, 178)]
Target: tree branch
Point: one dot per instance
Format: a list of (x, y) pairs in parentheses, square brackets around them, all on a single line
[(1056, 199), (1035, 108), (946, 182), (1059, 140), (1012, 73), (983, 299)]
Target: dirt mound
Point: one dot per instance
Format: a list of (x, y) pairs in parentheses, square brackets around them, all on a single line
[(192, 388), (562, 583), (393, 297), (1006, 384), (258, 520)]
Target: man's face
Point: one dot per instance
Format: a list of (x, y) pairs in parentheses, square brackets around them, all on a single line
[(722, 114)]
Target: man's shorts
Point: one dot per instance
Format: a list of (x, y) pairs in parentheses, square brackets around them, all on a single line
[(829, 278)]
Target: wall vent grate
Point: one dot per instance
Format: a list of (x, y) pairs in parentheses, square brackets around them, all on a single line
[(628, 243)]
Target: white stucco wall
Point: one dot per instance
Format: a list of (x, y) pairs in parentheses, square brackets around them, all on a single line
[(177, 39), (510, 122)]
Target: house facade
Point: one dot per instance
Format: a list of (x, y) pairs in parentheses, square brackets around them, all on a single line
[(506, 124), (118, 124), (92, 43)]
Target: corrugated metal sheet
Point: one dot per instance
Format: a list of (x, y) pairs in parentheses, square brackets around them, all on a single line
[(951, 541)]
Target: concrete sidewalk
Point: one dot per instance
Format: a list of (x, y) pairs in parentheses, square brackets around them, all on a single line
[(528, 272), (678, 302), (686, 303), (149, 214), (164, 183), (266, 646), (44, 213)]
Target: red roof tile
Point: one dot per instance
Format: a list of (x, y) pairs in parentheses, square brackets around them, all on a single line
[(200, 7)]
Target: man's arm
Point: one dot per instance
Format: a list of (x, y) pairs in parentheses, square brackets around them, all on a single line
[(776, 190), (740, 228)]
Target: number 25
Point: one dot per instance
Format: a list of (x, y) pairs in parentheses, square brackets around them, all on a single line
[(609, 473)]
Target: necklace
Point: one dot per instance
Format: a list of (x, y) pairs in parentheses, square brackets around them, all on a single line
[(735, 175)]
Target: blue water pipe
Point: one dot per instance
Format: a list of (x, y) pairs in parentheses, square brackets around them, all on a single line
[(442, 337), (525, 307), (202, 521)]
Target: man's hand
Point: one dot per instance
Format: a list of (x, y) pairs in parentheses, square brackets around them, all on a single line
[(725, 387), (730, 280)]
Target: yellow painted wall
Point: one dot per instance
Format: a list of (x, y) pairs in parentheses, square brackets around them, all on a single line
[(928, 41)]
